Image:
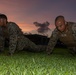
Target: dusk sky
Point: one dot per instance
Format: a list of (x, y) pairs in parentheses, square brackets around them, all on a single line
[(25, 12)]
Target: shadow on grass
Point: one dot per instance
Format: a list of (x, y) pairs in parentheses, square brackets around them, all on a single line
[(58, 52)]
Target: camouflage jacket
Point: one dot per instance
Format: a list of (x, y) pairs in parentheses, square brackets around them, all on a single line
[(15, 36), (54, 37)]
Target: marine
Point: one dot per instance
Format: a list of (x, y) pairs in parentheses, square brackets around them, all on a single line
[(17, 41), (65, 32)]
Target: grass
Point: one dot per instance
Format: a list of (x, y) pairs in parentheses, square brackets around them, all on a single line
[(28, 63)]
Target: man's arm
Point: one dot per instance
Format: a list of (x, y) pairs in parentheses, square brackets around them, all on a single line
[(52, 42), (2, 40), (13, 37), (74, 30)]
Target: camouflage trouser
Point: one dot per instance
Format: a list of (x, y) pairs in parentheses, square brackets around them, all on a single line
[(28, 45), (24, 43), (32, 47)]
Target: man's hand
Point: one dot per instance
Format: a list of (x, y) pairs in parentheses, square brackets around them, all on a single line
[(49, 52), (9, 54)]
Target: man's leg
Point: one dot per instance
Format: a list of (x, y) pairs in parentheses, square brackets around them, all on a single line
[(31, 46)]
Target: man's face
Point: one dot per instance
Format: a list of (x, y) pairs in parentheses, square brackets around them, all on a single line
[(60, 24), (3, 22)]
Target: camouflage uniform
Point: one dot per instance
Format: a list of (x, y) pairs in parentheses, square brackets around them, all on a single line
[(68, 38), (17, 41)]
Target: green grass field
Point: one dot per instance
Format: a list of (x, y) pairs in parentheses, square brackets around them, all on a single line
[(28, 63)]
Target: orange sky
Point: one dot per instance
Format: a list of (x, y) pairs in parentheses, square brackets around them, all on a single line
[(27, 27)]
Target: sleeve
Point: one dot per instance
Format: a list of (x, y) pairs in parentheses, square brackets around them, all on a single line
[(2, 40), (74, 30), (12, 38), (2, 43), (52, 42)]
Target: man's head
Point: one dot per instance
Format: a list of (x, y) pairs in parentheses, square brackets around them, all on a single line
[(3, 20), (60, 23)]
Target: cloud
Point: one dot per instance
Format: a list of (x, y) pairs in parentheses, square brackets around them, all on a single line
[(42, 27)]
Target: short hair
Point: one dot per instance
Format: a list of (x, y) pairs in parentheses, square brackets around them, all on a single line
[(60, 16), (3, 16)]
